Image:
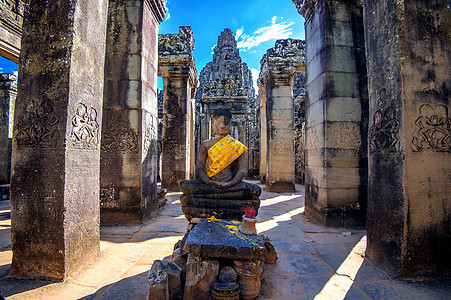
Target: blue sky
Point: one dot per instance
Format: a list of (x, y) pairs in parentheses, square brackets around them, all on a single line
[(257, 24)]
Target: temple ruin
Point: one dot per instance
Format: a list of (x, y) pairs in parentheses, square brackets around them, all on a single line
[(227, 81), (358, 112)]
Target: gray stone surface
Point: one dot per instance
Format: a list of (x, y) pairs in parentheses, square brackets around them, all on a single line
[(278, 67), (55, 164), (221, 238), (200, 276), (408, 81), (165, 281), (129, 127), (336, 135)]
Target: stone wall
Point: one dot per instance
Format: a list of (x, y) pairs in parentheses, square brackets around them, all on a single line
[(336, 113), (8, 94), (409, 208)]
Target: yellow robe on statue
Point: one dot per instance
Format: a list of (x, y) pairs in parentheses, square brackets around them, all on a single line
[(223, 153)]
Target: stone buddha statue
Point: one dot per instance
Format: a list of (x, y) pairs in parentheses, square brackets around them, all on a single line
[(219, 190)]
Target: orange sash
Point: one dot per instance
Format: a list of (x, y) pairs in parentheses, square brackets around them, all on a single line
[(223, 153)]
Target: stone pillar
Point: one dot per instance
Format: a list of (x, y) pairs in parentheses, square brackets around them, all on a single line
[(177, 67), (262, 96), (336, 113), (8, 93), (130, 112), (409, 202), (278, 67), (55, 163)]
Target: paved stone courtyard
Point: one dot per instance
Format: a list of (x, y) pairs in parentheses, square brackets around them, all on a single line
[(314, 262)]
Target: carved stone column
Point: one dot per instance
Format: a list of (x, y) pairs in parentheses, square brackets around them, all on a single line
[(56, 145), (177, 67), (130, 112), (262, 96), (336, 113), (278, 67), (8, 93), (409, 204)]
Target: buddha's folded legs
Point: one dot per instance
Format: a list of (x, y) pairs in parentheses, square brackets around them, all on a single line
[(241, 191)]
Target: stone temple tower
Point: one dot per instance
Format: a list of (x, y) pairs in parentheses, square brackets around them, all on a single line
[(227, 82)]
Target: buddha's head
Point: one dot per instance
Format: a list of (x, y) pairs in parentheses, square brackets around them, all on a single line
[(222, 119)]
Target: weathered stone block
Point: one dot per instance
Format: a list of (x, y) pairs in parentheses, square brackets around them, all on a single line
[(315, 113), (221, 239), (343, 109), (165, 281), (200, 276), (316, 91)]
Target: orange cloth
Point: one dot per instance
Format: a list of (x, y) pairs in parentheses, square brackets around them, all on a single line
[(223, 153)]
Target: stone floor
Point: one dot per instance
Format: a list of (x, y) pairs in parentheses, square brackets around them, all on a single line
[(314, 262)]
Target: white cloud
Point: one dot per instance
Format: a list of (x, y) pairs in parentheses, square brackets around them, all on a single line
[(275, 31), (238, 33), (168, 16), (1, 69), (255, 74)]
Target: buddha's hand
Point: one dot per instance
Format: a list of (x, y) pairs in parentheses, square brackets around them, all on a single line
[(224, 185)]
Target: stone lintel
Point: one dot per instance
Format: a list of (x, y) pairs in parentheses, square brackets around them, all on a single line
[(178, 69)]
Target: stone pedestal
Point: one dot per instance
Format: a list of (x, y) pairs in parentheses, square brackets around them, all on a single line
[(177, 67), (336, 113), (278, 67), (129, 128), (8, 93), (214, 240), (409, 203), (56, 146)]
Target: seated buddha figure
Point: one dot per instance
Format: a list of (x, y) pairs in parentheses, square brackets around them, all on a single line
[(219, 189)]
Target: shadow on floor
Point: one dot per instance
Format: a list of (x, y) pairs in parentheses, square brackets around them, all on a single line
[(10, 286), (134, 287)]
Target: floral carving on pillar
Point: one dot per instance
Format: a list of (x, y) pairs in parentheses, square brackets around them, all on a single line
[(433, 129)]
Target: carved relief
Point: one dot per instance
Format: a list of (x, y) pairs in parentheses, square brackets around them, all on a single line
[(150, 136), (384, 130), (38, 125), (433, 129), (119, 136), (85, 128), (176, 44), (313, 139), (287, 48), (107, 197), (347, 136)]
